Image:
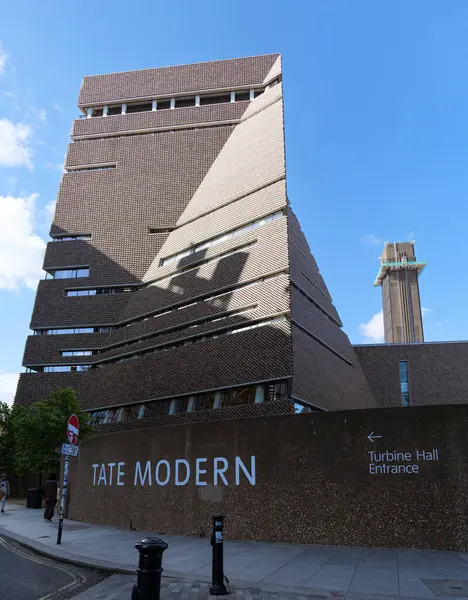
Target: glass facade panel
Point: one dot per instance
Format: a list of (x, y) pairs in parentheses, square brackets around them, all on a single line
[(404, 384), (206, 401), (203, 401), (68, 273)]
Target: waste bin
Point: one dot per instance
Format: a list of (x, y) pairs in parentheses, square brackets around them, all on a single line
[(34, 498)]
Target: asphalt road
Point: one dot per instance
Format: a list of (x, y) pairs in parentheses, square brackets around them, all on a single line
[(25, 575)]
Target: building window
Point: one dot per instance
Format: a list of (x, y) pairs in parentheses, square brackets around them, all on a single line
[(72, 238), (76, 352), (240, 96), (404, 384), (184, 102), (144, 107), (160, 229), (215, 99), (68, 273), (65, 368), (114, 110), (187, 404), (99, 291), (67, 330), (222, 238)]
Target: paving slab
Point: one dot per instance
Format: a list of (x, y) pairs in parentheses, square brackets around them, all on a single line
[(261, 567)]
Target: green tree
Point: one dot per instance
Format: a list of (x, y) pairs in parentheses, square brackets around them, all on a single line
[(40, 430), (6, 437)]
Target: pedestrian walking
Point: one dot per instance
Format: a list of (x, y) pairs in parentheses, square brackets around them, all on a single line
[(50, 497), (4, 491)]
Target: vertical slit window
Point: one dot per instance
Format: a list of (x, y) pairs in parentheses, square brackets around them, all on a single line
[(404, 383)]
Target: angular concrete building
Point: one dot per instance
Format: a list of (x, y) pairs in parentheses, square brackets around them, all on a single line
[(178, 279)]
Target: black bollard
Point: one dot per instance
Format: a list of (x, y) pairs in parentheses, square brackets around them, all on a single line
[(217, 541), (148, 586)]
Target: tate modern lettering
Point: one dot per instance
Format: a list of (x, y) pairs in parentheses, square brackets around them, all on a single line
[(179, 472)]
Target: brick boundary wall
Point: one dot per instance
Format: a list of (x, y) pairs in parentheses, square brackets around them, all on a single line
[(315, 480)]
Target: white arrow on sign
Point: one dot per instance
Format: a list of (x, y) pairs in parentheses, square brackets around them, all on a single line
[(373, 437)]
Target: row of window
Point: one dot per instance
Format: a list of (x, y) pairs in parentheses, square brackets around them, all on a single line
[(159, 313), (84, 271), (189, 326), (192, 340), (71, 238), (99, 291), (254, 394), (200, 263), (161, 348), (172, 103), (222, 238), (68, 273), (77, 352), (59, 369), (65, 330)]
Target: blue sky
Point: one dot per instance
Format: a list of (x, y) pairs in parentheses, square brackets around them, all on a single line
[(376, 132)]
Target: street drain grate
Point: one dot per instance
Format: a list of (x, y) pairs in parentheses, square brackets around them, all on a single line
[(42, 536), (452, 588)]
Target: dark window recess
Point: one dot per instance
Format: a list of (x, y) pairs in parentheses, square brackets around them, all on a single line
[(98, 112), (114, 110), (164, 104), (98, 291), (257, 93), (160, 229), (184, 102), (215, 99), (134, 108), (242, 96), (72, 237)]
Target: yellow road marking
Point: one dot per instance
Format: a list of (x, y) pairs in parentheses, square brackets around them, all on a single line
[(76, 580)]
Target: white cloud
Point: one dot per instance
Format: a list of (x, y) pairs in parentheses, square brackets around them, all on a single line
[(40, 114), (372, 239), (21, 250), (425, 311), (50, 209), (14, 144), (58, 108), (10, 95), (8, 383), (3, 58), (373, 330)]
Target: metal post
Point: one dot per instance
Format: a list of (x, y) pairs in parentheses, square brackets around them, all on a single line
[(62, 499), (217, 541), (148, 586)]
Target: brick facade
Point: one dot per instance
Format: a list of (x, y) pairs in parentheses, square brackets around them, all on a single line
[(249, 306)]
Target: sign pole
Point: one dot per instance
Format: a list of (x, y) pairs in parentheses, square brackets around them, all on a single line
[(73, 430), (63, 498)]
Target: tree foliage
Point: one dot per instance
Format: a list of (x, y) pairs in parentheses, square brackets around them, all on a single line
[(37, 432), (6, 437)]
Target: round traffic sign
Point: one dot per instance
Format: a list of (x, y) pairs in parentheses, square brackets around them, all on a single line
[(73, 429)]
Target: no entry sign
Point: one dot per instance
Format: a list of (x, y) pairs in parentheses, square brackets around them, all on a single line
[(73, 429)]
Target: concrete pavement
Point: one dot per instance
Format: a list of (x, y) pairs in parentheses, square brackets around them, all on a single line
[(329, 571)]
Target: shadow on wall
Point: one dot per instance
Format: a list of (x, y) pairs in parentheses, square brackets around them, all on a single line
[(177, 366)]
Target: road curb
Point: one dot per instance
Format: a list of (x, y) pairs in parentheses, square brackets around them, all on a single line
[(111, 568), (67, 557)]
